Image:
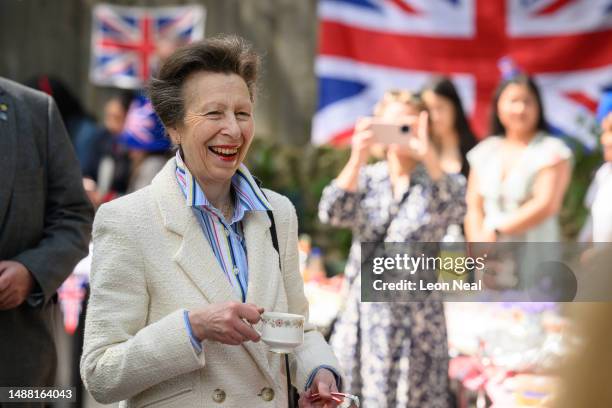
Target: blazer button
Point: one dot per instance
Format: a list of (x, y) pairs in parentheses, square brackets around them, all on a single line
[(218, 395), (267, 394)]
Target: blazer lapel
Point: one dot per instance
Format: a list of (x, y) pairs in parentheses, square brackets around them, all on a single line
[(194, 255), (8, 149), (196, 258)]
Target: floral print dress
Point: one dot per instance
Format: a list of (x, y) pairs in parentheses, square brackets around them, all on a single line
[(393, 354)]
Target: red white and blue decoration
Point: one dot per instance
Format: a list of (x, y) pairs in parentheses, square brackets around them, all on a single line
[(369, 46), (143, 129), (125, 40)]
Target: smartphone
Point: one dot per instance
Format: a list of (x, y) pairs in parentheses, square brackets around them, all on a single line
[(397, 132)]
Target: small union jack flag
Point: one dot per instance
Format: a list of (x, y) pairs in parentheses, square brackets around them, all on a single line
[(125, 40), (143, 130), (71, 296)]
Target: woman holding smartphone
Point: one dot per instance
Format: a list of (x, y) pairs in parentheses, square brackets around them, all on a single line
[(393, 354)]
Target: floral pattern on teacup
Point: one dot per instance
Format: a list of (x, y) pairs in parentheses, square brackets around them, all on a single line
[(290, 323)]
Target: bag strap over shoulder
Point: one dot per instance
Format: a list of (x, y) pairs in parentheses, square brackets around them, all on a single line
[(292, 393), (272, 225), (274, 236)]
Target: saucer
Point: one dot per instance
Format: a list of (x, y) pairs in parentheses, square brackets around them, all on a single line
[(281, 347)]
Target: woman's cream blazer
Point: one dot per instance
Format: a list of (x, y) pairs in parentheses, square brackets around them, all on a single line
[(151, 261)]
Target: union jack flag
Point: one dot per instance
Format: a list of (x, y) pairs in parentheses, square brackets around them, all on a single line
[(369, 46), (125, 40), (73, 292), (143, 129), (71, 296)]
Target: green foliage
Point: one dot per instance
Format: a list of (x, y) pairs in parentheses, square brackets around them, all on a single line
[(301, 173), (574, 214)]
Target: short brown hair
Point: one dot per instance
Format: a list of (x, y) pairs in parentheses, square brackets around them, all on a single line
[(222, 54)]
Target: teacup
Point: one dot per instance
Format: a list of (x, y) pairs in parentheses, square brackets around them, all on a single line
[(282, 331)]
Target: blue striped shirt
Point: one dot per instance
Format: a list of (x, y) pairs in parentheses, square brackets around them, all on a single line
[(226, 238)]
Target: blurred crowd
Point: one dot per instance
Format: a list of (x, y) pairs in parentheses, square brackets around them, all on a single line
[(124, 150), (119, 154), (440, 181)]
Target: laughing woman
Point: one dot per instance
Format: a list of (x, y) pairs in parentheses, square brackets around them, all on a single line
[(181, 267)]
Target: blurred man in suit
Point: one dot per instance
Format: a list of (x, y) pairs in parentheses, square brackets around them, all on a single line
[(45, 225)]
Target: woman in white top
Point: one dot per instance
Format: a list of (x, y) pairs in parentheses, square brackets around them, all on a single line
[(520, 174)]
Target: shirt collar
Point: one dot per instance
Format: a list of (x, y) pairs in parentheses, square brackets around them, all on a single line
[(248, 195)]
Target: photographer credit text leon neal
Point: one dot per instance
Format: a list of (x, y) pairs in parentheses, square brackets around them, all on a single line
[(405, 285)]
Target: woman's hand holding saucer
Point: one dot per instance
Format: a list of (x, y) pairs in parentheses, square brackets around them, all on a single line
[(225, 322)]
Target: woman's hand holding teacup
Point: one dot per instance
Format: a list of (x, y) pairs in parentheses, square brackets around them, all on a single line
[(226, 322)]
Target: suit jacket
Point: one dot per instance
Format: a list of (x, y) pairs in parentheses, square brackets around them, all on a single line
[(151, 261), (45, 223)]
